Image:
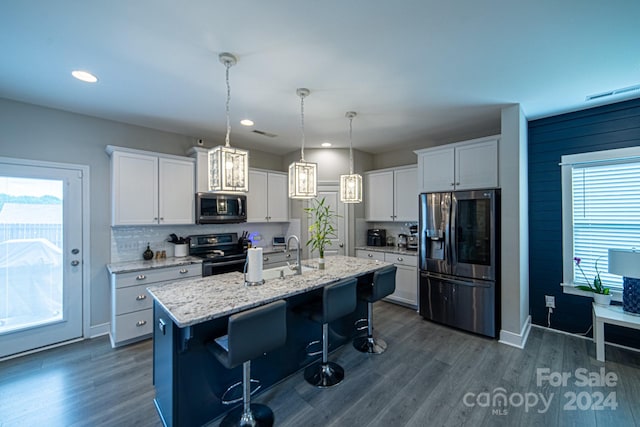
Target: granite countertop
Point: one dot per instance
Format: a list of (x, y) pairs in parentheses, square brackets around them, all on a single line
[(192, 301), (387, 249), (137, 265)]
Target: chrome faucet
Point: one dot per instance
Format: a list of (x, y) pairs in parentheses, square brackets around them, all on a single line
[(298, 266)]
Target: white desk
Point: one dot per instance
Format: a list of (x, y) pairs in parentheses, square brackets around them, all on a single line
[(614, 315)]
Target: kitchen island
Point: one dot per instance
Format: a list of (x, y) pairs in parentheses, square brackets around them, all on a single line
[(189, 381)]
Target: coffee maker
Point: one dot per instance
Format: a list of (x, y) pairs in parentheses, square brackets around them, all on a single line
[(376, 237), (412, 239)]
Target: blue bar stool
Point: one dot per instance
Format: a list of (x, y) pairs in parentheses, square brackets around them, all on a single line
[(250, 334), (338, 300), (384, 283)]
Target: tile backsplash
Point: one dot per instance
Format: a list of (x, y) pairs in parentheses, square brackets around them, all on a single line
[(128, 243)]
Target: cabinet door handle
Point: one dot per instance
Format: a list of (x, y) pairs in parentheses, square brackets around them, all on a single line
[(140, 323), (457, 183), (155, 218), (400, 258), (370, 255), (287, 256), (453, 184), (183, 271), (141, 277), (161, 218), (141, 297), (265, 259)]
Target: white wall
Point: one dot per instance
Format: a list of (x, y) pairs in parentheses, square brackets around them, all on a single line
[(515, 229)]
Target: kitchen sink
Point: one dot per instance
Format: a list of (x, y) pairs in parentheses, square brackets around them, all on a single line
[(274, 273)]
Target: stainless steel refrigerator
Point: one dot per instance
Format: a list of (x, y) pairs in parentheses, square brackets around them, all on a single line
[(459, 257)]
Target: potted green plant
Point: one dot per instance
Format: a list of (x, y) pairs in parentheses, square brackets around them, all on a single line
[(601, 294), (321, 228)]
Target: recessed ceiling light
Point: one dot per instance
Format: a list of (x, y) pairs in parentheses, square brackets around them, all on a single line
[(246, 122), (326, 144), (85, 76)]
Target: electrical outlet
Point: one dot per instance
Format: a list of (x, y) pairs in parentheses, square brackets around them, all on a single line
[(550, 301)]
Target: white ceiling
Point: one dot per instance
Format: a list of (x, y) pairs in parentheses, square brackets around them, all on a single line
[(417, 72)]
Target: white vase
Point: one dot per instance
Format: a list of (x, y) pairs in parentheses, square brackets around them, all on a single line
[(602, 299), (321, 264)]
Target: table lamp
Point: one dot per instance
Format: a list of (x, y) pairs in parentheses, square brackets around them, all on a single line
[(626, 263)]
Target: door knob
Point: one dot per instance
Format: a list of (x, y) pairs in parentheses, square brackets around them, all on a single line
[(75, 263), (75, 251)]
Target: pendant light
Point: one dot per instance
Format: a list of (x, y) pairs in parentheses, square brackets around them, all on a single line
[(302, 175), (228, 167), (351, 185)]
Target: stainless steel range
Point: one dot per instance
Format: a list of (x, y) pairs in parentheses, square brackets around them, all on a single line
[(221, 253)]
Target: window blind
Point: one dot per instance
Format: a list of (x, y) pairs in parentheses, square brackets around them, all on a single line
[(606, 215)]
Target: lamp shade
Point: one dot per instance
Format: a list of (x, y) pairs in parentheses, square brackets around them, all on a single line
[(351, 188), (302, 180), (228, 169), (624, 263)]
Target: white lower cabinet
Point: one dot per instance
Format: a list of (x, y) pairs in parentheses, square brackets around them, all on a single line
[(406, 292), (131, 304), (406, 279)]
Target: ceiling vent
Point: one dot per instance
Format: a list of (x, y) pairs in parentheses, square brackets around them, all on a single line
[(613, 92), (263, 133)]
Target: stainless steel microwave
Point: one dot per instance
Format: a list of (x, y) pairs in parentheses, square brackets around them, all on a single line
[(216, 208)]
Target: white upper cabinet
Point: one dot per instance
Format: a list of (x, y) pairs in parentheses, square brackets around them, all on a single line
[(405, 194), (267, 199), (150, 189), (378, 196), (391, 195), (461, 166), (176, 191)]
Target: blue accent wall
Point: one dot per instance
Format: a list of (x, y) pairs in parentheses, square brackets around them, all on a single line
[(601, 128)]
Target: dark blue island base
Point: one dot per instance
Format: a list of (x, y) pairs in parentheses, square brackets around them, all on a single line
[(189, 381)]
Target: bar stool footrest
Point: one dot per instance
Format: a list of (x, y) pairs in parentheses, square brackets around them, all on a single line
[(313, 353), (225, 396)]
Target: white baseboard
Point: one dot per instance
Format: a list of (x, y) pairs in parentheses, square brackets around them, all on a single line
[(516, 340), (578, 335), (99, 330)]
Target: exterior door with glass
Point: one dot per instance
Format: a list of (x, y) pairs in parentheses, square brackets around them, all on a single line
[(41, 255)]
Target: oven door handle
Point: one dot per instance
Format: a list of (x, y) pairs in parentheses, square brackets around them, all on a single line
[(226, 263)]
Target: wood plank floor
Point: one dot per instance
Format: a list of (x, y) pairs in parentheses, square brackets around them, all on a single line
[(424, 378)]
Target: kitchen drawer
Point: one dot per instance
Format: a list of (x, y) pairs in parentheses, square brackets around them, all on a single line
[(133, 325), (402, 259), (146, 277), (361, 253), (132, 298)]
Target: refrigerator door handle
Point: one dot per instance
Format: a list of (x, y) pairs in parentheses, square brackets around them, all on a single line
[(453, 260)]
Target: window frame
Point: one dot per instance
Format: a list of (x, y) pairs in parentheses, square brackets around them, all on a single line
[(620, 155)]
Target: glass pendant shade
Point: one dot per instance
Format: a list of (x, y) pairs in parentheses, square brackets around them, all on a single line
[(302, 180), (351, 188), (228, 169)]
